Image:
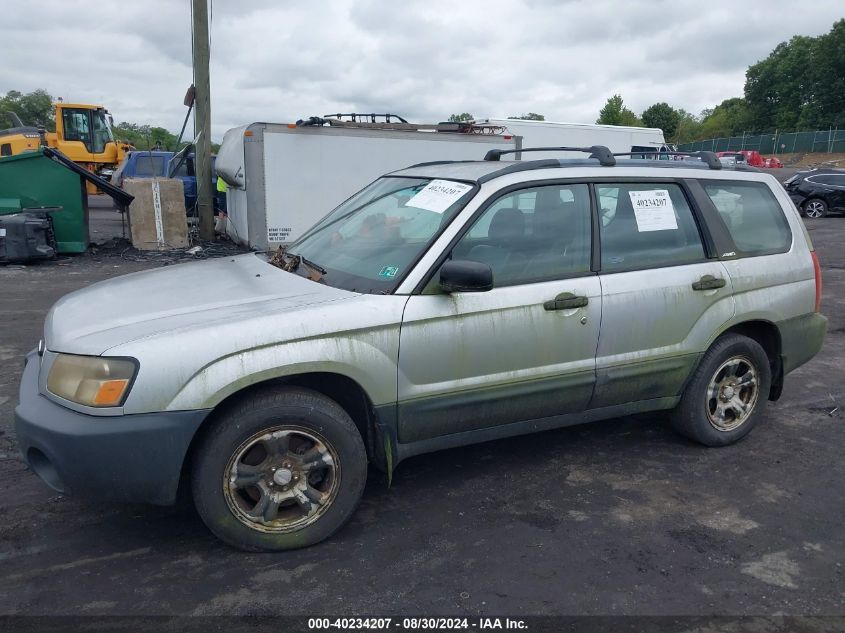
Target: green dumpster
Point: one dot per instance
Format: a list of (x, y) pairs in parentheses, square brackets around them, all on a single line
[(47, 178)]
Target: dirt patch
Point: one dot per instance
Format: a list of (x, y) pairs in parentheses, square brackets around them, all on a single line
[(774, 569), (807, 160)]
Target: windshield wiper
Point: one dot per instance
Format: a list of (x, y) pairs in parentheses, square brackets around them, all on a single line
[(301, 260), (290, 262)]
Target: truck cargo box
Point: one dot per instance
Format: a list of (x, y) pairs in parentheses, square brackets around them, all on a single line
[(283, 178)]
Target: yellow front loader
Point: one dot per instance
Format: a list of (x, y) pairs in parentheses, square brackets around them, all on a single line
[(83, 134)]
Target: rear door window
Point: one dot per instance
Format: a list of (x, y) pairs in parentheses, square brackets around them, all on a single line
[(752, 215), (646, 225)]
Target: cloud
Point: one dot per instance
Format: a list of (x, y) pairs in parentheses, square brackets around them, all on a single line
[(279, 61)]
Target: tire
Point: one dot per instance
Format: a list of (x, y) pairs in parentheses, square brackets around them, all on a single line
[(280, 469), (738, 404), (814, 208)]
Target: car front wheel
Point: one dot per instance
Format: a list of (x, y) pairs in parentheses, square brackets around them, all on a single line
[(815, 208), (727, 394), (281, 469)]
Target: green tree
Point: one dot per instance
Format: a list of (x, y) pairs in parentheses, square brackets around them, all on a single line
[(689, 127), (662, 115), (801, 84), (729, 118), (531, 116), (34, 108), (614, 112), (146, 136), (461, 118)]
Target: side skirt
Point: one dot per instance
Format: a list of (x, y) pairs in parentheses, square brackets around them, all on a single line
[(386, 427)]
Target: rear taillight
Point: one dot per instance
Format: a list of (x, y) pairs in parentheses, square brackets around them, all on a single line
[(817, 270)]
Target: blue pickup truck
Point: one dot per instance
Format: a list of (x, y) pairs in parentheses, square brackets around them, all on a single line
[(154, 164)]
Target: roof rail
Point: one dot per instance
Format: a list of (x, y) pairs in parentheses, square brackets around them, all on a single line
[(708, 158), (602, 153)]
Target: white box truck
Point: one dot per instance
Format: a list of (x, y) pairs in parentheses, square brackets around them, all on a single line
[(282, 178), (617, 138)]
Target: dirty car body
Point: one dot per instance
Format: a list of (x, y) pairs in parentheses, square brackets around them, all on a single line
[(456, 303)]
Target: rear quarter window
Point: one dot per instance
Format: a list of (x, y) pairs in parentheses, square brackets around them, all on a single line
[(752, 215)]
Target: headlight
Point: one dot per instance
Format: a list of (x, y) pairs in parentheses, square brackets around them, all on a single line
[(93, 381)]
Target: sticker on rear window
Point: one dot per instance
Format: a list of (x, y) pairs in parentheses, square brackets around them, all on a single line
[(438, 195), (389, 272), (653, 210)]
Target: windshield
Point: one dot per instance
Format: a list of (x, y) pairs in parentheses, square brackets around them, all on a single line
[(372, 240), (102, 131)]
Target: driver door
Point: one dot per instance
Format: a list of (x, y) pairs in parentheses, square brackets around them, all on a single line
[(523, 350)]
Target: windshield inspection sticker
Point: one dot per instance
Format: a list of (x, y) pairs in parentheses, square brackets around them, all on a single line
[(438, 195), (389, 272), (653, 210)]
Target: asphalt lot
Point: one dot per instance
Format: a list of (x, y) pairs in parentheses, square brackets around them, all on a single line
[(616, 518)]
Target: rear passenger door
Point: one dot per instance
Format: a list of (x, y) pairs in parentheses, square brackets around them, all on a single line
[(835, 189), (662, 298)]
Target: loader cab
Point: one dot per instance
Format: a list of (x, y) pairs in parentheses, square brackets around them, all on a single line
[(82, 124)]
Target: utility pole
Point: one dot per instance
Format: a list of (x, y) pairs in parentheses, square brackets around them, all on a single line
[(202, 119)]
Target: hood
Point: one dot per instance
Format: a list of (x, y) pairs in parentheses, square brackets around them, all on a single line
[(198, 294)]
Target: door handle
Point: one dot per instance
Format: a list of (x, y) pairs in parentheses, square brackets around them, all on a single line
[(708, 282), (566, 301)]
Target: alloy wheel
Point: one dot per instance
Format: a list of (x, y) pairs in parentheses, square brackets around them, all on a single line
[(732, 393), (281, 479)]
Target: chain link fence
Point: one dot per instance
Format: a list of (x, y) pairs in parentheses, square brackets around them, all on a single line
[(824, 141)]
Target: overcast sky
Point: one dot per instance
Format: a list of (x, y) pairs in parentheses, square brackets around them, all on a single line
[(279, 60)]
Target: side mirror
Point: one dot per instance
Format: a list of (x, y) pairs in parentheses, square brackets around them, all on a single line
[(465, 275)]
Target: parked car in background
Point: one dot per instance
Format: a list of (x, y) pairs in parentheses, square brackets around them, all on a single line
[(141, 164), (444, 304), (155, 164), (732, 158), (818, 192), (772, 163)]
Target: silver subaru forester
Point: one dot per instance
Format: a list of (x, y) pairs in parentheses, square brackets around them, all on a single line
[(444, 304)]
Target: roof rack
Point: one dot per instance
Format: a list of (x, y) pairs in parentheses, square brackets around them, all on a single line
[(396, 122), (602, 153), (353, 117), (708, 158), (359, 122)]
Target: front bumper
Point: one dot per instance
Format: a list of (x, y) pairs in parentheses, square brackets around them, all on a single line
[(136, 458)]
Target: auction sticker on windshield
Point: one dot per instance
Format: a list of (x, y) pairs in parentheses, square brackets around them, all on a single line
[(438, 195), (653, 210)]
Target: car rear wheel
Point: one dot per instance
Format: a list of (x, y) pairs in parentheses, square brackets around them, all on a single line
[(727, 394), (815, 208), (281, 469)]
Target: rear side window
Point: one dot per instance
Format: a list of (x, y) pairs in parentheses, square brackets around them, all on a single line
[(753, 216), (646, 225), (834, 180), (149, 166)]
